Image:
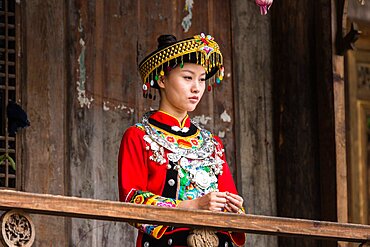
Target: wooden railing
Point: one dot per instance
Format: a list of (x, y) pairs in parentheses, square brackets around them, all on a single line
[(128, 212)]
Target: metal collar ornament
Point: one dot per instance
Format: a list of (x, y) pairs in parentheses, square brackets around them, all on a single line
[(199, 165), (200, 49), (203, 152)]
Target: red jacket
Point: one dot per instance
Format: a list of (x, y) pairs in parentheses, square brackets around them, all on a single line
[(144, 167)]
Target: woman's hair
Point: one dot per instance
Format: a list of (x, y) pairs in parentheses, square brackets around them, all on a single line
[(166, 40)]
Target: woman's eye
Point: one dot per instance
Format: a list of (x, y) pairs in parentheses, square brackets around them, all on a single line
[(203, 79), (187, 78)]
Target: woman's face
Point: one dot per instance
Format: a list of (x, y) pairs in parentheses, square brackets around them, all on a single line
[(182, 88)]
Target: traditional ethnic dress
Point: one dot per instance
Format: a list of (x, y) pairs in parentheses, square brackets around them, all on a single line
[(163, 162)]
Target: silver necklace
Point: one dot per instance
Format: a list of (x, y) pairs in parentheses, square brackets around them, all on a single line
[(205, 150)]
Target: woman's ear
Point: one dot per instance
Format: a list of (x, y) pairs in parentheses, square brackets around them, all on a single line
[(161, 82)]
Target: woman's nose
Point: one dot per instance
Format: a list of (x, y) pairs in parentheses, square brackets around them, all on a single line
[(195, 90), (195, 87)]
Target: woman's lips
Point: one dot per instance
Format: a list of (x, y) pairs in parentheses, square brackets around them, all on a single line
[(194, 99)]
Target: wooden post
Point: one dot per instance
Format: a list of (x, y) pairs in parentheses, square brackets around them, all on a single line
[(338, 24), (304, 112)]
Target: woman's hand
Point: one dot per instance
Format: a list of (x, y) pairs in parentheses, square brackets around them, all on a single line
[(234, 203), (214, 201)]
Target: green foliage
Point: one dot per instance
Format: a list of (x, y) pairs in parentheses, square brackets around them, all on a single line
[(5, 157)]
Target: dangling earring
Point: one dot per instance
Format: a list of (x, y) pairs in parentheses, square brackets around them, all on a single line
[(146, 87)]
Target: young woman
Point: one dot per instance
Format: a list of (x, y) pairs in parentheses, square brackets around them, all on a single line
[(170, 161)]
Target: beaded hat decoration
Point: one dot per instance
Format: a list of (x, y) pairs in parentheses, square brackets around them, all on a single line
[(200, 49)]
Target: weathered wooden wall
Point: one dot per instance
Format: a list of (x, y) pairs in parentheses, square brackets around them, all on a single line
[(106, 41), (102, 105), (251, 34), (81, 89)]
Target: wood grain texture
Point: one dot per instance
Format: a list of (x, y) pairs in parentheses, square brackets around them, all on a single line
[(102, 56), (252, 74), (117, 211), (100, 43), (304, 113), (44, 99), (340, 115), (357, 109)]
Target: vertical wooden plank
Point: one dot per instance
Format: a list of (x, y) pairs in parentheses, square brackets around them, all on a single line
[(339, 89), (331, 131), (358, 100), (155, 18), (224, 119), (103, 68), (44, 95), (353, 153), (326, 97), (81, 22), (304, 113), (252, 76)]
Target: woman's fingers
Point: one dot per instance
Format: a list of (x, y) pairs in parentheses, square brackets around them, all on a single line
[(234, 196), (234, 203), (214, 201), (234, 199), (233, 207), (217, 206), (219, 201), (229, 208)]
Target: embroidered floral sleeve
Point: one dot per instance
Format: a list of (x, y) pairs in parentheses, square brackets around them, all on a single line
[(148, 198), (133, 178)]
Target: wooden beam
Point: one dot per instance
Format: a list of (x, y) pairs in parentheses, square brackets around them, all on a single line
[(127, 212)]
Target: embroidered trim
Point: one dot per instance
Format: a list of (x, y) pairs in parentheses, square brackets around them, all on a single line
[(166, 129), (128, 197), (197, 166), (205, 150), (148, 198)]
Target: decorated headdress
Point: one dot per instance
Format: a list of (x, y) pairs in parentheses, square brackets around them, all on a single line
[(200, 49)]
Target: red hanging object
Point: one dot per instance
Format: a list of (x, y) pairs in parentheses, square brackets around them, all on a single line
[(264, 5)]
